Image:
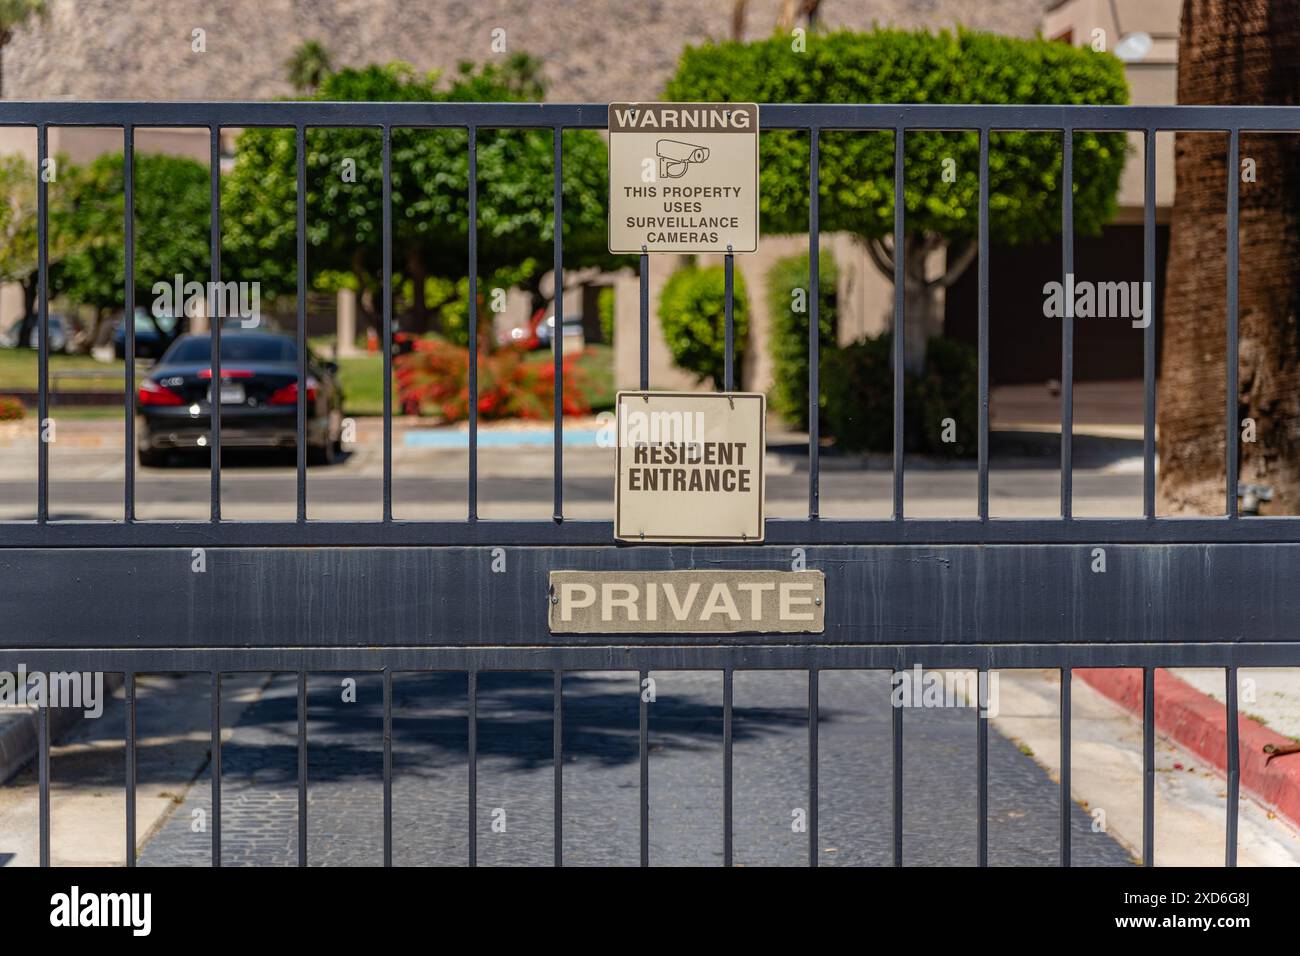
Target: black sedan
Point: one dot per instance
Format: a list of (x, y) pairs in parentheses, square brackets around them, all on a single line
[(258, 393)]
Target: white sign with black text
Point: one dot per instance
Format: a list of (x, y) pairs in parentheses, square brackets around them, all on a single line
[(683, 177)]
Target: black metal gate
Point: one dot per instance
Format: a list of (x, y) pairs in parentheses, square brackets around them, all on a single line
[(980, 593)]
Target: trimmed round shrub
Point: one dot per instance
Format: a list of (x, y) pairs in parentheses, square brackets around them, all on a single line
[(692, 312), (858, 409), (788, 335)]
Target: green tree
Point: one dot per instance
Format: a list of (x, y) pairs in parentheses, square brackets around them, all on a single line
[(430, 175), (171, 235), (19, 247), (309, 65), (13, 14), (940, 197)]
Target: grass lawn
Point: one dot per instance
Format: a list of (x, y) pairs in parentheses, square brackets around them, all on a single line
[(19, 371)]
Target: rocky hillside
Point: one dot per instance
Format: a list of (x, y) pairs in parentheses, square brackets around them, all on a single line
[(594, 50)]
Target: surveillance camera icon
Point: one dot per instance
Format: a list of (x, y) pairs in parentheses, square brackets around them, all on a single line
[(676, 157)]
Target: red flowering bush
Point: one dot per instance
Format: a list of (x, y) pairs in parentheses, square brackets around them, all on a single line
[(434, 377), (10, 409)]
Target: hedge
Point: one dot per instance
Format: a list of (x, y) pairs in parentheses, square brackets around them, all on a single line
[(897, 66), (788, 335), (858, 383), (692, 315)]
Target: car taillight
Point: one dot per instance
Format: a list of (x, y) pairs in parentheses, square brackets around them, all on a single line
[(227, 373), (288, 394), (151, 393)]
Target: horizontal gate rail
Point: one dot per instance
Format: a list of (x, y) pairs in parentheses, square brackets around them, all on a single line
[(927, 116), (666, 657)]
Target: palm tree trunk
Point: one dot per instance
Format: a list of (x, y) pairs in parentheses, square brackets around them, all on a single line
[(1234, 52)]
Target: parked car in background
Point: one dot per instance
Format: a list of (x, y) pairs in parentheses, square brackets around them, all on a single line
[(538, 332), (62, 331), (574, 339), (258, 396), (151, 337)]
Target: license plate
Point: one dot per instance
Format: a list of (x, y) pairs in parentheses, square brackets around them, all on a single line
[(230, 394)]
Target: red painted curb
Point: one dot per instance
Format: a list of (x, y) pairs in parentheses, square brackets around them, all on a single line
[(1199, 723)]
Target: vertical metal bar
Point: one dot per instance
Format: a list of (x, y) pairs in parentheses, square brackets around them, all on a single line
[(300, 201), (984, 327), (128, 317), (130, 762), (472, 491), (729, 322), (43, 772), (814, 721), (645, 321), (557, 334), (472, 747), (982, 767), (1148, 766), (896, 763), (1067, 677), (900, 358), (215, 720), (1232, 436), (387, 278), (814, 322), (1149, 332), (302, 768), (1234, 767), (1067, 324), (557, 755), (645, 769), (728, 801), (214, 321), (43, 328), (388, 766)]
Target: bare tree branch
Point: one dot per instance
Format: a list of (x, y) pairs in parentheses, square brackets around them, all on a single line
[(738, 20), (881, 256), (810, 9), (957, 264), (789, 10)]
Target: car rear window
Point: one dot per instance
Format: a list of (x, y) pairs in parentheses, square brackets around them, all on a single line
[(235, 348)]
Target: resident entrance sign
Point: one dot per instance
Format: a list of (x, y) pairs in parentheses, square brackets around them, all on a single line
[(687, 602), (683, 177), (689, 467)]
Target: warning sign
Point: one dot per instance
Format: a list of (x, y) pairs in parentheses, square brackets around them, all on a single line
[(683, 177), (689, 466)]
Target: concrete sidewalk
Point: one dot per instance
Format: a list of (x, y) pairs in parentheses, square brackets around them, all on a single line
[(88, 772), (1190, 709), (1106, 776)]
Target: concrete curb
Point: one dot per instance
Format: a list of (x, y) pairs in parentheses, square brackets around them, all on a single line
[(1198, 722), (20, 730)]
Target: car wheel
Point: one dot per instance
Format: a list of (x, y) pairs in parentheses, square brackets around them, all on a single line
[(152, 457), (322, 454)]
